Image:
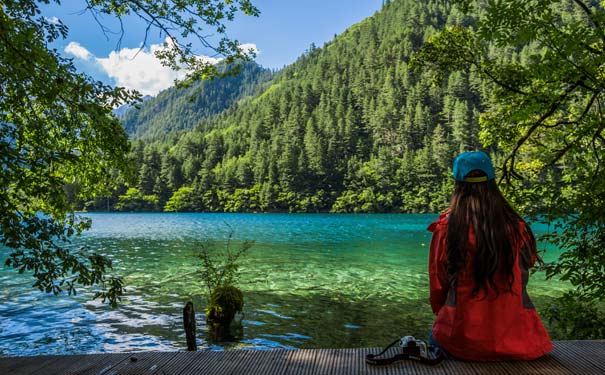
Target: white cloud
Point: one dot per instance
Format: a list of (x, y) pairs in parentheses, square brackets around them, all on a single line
[(139, 69), (208, 59), (247, 47), (53, 20), (74, 48)]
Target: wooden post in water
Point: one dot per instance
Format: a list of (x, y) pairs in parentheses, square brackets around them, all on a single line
[(189, 324)]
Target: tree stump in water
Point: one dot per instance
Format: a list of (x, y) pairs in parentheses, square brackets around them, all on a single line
[(189, 324)]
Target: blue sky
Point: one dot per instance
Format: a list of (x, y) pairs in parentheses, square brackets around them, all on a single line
[(282, 32)]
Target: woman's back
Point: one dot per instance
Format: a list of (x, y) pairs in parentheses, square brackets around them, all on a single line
[(479, 259), (491, 325)]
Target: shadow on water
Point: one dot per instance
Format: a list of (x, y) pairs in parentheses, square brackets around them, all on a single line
[(271, 320), (317, 320), (330, 321), (333, 321)]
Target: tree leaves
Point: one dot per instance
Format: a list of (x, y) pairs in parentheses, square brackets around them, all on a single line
[(182, 21), (217, 273), (58, 134)]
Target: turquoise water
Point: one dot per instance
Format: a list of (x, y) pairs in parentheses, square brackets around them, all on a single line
[(310, 280)]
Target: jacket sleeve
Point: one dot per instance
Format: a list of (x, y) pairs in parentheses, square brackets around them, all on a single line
[(438, 267)]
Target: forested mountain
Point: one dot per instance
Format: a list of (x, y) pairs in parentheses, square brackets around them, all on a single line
[(346, 128), (182, 108)]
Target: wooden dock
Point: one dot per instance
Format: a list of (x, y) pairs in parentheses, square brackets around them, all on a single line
[(568, 357)]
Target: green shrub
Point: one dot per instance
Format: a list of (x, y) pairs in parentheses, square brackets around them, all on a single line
[(224, 302), (220, 276), (575, 318), (183, 200)]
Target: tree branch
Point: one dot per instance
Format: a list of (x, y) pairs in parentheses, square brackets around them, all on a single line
[(508, 165), (591, 17)]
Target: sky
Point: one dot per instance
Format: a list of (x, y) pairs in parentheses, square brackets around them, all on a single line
[(282, 32)]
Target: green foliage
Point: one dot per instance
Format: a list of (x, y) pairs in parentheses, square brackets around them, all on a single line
[(224, 302), (575, 318), (438, 57), (134, 200), (59, 139), (220, 277), (583, 262), (183, 200), (56, 130), (182, 108), (216, 272)]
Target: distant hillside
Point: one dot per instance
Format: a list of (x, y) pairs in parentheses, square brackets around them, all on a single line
[(182, 108), (123, 109), (346, 128)]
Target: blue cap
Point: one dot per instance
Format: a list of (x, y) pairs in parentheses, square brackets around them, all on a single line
[(470, 161)]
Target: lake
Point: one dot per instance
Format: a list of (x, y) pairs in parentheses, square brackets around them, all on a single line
[(310, 281)]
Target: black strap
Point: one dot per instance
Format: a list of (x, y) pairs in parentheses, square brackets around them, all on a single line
[(372, 360), (434, 356)]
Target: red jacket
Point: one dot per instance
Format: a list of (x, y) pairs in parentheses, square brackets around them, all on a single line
[(483, 328)]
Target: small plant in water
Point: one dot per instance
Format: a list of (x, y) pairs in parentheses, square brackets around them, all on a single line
[(220, 273)]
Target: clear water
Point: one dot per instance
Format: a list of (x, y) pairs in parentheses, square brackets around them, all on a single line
[(310, 281)]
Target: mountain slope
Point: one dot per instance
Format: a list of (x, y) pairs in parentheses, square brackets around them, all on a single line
[(177, 109), (347, 128)]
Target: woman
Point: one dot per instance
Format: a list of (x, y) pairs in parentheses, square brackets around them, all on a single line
[(480, 254)]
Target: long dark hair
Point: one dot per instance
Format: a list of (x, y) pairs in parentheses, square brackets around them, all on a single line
[(481, 208)]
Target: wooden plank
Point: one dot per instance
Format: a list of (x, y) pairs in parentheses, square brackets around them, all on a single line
[(11, 364), (321, 361), (143, 363), (454, 366), (492, 368), (401, 367), (300, 362), (62, 364), (273, 362), (182, 361), (253, 361), (544, 365), (98, 364), (570, 357), (594, 356), (596, 350), (334, 361), (218, 362), (366, 369), (574, 363), (440, 369), (248, 361), (449, 366), (344, 362), (28, 365), (201, 363), (25, 365), (549, 365), (360, 366)]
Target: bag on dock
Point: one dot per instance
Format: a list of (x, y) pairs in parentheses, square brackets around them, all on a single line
[(411, 349)]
